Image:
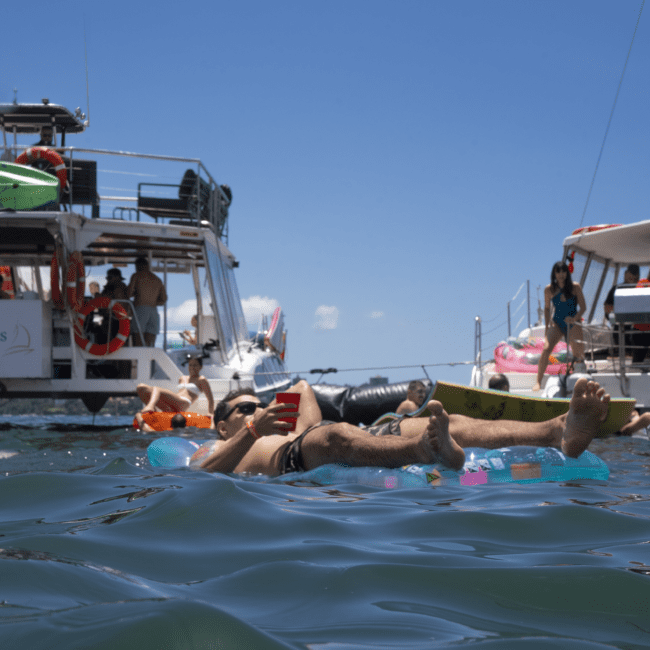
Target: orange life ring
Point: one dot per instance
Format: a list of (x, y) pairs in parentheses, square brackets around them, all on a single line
[(100, 349), (602, 226), (34, 153), (55, 285), (75, 281), (162, 420)]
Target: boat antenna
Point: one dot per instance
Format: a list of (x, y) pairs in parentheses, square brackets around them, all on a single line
[(611, 115), (87, 122)]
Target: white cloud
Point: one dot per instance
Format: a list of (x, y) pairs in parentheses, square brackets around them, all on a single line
[(377, 314), (328, 318), (181, 316), (257, 306)]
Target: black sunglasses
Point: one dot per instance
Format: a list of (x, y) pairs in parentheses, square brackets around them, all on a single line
[(245, 408)]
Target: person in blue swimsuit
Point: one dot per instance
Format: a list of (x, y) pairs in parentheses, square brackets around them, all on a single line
[(568, 306)]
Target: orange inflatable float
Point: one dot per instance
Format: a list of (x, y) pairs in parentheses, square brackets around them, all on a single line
[(162, 420)]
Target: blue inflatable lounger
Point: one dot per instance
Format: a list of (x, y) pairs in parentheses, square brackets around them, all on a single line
[(505, 465)]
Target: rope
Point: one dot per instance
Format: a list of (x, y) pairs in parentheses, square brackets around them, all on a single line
[(315, 371), (611, 115)]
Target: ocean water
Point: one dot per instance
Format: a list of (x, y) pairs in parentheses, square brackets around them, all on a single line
[(99, 550)]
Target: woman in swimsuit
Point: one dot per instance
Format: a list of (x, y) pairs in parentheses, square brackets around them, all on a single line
[(569, 305), (189, 388)]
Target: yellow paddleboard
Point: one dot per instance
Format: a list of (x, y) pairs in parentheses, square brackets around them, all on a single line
[(484, 404)]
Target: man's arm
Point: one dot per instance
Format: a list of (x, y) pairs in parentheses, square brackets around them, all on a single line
[(162, 296), (227, 454), (407, 406)]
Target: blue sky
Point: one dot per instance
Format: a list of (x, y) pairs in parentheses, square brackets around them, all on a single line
[(398, 168)]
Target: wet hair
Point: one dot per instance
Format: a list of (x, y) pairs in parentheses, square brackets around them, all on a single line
[(499, 382), (222, 407), (568, 285), (196, 358), (179, 421), (415, 384)]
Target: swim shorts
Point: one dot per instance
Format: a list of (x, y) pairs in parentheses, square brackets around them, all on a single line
[(148, 318), (292, 461)]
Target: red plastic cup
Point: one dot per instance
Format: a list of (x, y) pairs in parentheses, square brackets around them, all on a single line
[(289, 398)]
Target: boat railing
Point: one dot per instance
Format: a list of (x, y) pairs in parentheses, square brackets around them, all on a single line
[(187, 197)]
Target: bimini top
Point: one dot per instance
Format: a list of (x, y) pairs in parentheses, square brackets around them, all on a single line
[(29, 118), (622, 245)]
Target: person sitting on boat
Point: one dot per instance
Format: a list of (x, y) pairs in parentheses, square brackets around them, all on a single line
[(178, 421), (190, 337), (630, 278), (189, 388), (415, 395), (499, 382), (254, 439), (148, 293), (93, 289), (568, 307), (47, 137)]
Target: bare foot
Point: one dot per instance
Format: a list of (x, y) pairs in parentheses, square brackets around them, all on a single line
[(438, 445), (536, 387), (589, 406)]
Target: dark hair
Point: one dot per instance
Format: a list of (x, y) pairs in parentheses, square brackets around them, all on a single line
[(222, 407), (141, 262), (633, 269), (499, 382), (196, 358), (568, 285), (179, 421), (415, 384)]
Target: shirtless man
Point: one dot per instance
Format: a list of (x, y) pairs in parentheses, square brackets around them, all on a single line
[(148, 293), (255, 440), (415, 396)]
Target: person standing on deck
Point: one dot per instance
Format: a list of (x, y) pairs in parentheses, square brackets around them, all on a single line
[(569, 305), (148, 293)]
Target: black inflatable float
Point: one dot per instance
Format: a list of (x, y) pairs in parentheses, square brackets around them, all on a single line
[(361, 404)]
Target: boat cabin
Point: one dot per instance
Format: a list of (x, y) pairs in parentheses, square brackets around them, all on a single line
[(109, 209)]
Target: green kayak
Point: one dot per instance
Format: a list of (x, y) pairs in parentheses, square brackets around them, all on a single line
[(26, 188)]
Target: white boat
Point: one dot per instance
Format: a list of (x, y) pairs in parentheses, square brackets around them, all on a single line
[(600, 257), (177, 219)]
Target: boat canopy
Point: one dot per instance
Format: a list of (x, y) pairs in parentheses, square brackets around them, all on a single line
[(621, 245), (29, 118)]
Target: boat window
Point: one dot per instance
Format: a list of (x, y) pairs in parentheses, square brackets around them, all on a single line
[(590, 291), (228, 307)]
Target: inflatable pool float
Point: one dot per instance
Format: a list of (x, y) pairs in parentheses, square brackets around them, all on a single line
[(522, 355), (505, 465), (162, 420)]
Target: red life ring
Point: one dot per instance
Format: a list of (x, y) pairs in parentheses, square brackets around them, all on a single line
[(34, 153), (602, 226), (55, 285), (100, 349), (75, 281)]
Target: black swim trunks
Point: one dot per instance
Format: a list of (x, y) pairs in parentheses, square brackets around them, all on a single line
[(292, 461)]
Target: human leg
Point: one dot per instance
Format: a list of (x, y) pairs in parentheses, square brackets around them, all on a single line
[(349, 445), (553, 336), (154, 397), (571, 432), (576, 342)]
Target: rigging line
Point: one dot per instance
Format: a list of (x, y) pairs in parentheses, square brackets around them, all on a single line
[(417, 365), (518, 290), (611, 115), (494, 329)]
